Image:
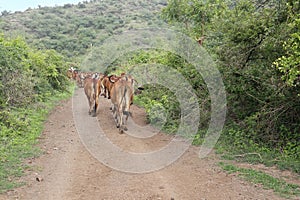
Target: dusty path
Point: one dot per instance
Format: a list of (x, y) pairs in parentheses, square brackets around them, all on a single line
[(67, 170)]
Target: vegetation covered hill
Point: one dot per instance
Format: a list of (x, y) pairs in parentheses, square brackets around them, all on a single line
[(73, 29)]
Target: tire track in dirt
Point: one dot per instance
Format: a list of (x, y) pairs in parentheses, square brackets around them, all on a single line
[(70, 172)]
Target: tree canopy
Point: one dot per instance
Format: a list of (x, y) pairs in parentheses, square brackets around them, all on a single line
[(256, 45)]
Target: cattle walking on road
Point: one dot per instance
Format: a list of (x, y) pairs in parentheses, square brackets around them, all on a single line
[(121, 98), (90, 85), (107, 84), (120, 89)]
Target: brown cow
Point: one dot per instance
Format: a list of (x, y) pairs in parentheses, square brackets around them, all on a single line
[(130, 80), (121, 98), (80, 79), (98, 89), (107, 84), (90, 87), (72, 72)]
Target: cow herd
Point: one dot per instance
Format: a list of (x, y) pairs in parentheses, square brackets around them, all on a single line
[(119, 89)]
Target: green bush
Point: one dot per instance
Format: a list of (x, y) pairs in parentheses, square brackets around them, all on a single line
[(28, 79), (256, 48), (161, 107), (28, 75), (161, 104)]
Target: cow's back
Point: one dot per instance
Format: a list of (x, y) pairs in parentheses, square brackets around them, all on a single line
[(89, 87), (121, 93)]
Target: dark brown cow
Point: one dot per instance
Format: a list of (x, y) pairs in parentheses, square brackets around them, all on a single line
[(80, 79), (75, 74), (90, 87), (121, 98), (107, 84)]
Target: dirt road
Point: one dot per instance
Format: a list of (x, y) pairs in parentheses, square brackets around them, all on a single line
[(68, 171)]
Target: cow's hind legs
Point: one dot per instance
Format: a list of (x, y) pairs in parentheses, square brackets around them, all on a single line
[(122, 129), (124, 120), (115, 115), (92, 107), (122, 126), (125, 128), (95, 110), (90, 111)]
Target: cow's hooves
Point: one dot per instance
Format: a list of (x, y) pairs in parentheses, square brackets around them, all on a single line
[(118, 126), (121, 131), (94, 115), (125, 129)]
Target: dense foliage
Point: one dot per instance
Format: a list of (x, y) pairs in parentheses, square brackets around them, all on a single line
[(256, 46), (28, 75), (289, 63), (28, 79)]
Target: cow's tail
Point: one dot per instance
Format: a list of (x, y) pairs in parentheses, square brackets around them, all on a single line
[(122, 102), (94, 90), (94, 94), (102, 88), (126, 104)]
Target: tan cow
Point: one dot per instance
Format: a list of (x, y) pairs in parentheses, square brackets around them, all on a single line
[(90, 87), (121, 98)]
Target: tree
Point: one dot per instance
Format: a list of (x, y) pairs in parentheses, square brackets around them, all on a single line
[(246, 37), (5, 12), (289, 63)]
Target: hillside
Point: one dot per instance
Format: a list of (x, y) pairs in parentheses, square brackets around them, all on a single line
[(73, 29)]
